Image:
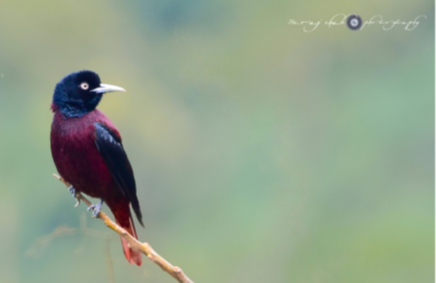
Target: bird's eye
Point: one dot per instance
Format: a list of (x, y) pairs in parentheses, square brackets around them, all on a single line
[(84, 86)]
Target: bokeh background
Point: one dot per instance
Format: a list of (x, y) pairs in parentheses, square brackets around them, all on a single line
[(262, 153)]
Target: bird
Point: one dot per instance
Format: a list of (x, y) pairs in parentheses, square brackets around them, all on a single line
[(88, 153)]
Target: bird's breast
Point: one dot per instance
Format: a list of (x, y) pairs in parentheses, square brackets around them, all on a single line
[(76, 156)]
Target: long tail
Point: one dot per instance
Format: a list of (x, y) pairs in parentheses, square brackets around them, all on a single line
[(124, 219)]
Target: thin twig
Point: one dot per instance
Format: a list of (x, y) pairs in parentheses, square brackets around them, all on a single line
[(61, 231), (134, 244), (110, 266)]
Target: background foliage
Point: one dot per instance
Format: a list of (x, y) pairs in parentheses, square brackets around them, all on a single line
[(262, 153)]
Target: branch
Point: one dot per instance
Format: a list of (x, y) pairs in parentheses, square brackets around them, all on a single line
[(134, 244)]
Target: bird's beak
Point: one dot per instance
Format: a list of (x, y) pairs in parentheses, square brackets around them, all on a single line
[(107, 88)]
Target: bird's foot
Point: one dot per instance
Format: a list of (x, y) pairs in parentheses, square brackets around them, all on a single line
[(73, 191), (95, 209)]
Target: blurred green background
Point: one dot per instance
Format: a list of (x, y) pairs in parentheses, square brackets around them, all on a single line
[(262, 153)]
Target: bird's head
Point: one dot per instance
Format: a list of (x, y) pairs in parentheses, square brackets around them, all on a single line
[(79, 93)]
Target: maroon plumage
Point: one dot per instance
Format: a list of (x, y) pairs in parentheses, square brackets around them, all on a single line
[(88, 152)]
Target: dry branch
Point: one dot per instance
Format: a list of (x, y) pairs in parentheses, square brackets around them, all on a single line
[(134, 244)]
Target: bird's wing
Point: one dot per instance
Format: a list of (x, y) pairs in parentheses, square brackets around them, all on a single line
[(109, 145)]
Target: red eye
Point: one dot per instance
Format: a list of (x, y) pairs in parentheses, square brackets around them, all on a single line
[(84, 86)]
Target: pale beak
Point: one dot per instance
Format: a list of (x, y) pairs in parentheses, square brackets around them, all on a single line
[(107, 88)]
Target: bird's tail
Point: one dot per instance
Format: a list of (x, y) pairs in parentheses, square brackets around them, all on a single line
[(131, 255), (124, 219)]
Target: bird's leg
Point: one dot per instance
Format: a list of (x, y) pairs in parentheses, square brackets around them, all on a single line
[(96, 208), (73, 191)]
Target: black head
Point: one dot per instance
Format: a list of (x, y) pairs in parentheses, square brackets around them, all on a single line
[(79, 93)]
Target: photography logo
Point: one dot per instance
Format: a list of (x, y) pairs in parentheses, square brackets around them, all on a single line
[(354, 22)]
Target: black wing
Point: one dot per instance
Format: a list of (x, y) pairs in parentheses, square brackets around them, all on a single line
[(111, 149)]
